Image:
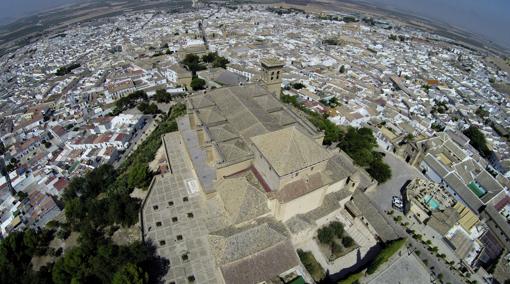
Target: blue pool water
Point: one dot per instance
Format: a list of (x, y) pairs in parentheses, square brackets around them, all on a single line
[(431, 202)]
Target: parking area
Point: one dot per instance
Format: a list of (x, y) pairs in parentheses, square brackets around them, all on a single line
[(401, 172)]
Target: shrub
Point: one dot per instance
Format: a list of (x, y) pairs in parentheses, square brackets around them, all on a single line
[(311, 264), (336, 249), (297, 85), (352, 279), (384, 255)]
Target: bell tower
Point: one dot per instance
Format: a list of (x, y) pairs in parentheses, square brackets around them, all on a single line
[(272, 70)]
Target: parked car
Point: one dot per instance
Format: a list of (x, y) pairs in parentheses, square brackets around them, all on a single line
[(397, 202)]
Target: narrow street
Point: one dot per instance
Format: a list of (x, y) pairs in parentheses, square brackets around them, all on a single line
[(140, 135), (381, 197)]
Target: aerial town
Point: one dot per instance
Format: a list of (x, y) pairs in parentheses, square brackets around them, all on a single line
[(257, 144)]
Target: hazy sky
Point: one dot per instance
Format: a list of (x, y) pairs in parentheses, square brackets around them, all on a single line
[(486, 17), (489, 18)]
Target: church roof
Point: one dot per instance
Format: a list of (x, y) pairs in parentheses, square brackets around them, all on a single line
[(289, 150), (242, 200)]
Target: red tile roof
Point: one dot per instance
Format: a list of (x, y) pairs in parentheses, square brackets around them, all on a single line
[(61, 184), (502, 203), (59, 130)]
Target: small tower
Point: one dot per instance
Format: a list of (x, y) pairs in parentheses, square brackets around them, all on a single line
[(272, 74)]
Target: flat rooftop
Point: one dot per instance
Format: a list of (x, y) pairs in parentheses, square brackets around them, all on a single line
[(271, 62), (173, 218)]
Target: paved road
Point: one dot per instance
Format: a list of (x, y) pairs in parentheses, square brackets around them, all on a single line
[(400, 173), (140, 135), (381, 197)]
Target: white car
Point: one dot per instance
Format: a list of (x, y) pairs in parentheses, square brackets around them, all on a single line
[(397, 202)]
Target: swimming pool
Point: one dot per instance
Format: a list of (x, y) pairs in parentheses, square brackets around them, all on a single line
[(431, 202)]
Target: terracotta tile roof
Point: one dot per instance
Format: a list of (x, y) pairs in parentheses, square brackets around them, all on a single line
[(299, 188), (292, 152), (102, 138), (61, 184), (59, 130)]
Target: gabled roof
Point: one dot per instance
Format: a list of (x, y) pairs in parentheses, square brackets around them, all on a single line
[(262, 266), (234, 243), (435, 165), (234, 150), (289, 150), (222, 132), (210, 115), (467, 196)]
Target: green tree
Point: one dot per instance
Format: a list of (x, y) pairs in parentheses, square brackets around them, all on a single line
[(192, 62), (162, 96), (358, 144), (197, 84), (130, 274), (326, 235), (332, 133), (338, 228), (297, 85), (215, 59), (21, 195), (16, 252), (384, 255), (129, 101), (147, 108), (311, 264), (220, 62), (478, 141), (138, 176), (379, 171), (347, 241), (209, 57), (69, 268), (342, 69)]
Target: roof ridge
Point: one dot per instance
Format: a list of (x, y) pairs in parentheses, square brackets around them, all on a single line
[(291, 139)]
